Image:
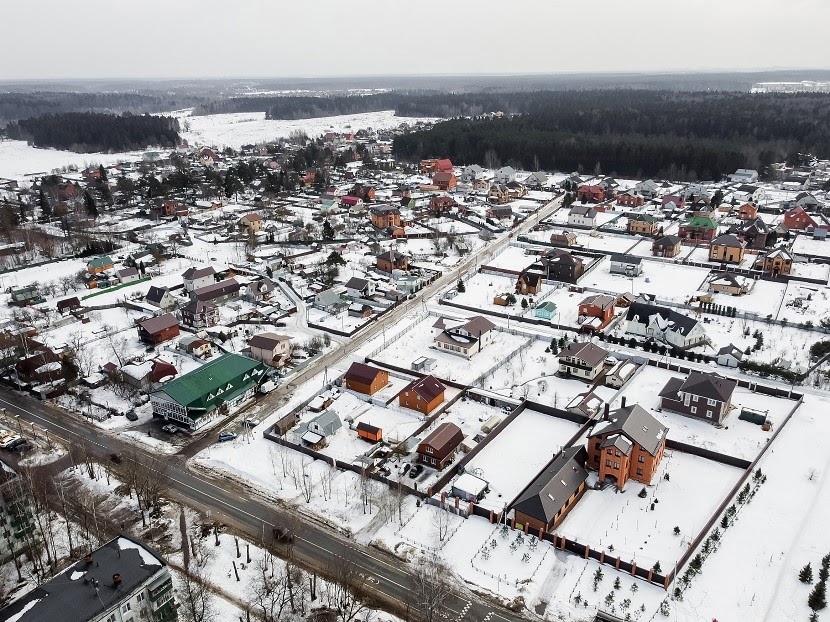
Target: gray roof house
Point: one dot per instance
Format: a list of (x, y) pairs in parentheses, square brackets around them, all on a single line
[(706, 396), (634, 423), (325, 424)]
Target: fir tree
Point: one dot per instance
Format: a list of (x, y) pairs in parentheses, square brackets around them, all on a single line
[(818, 597), (806, 574)]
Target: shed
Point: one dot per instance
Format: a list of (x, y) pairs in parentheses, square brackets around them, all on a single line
[(369, 432), (491, 424), (469, 488)]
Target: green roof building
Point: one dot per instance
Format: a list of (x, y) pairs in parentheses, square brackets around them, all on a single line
[(216, 388)]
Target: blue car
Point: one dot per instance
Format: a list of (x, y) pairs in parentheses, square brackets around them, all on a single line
[(226, 436)]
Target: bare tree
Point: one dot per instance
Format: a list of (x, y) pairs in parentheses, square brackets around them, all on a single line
[(269, 591), (307, 483), (342, 592), (432, 587), (194, 596), (441, 523)]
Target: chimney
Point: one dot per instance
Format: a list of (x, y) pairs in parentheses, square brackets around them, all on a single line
[(606, 410), (622, 404), (88, 559), (116, 580)]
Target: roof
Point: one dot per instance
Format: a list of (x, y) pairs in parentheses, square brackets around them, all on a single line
[(267, 341), (100, 262), (629, 259), (709, 386), (553, 486), (194, 273), (593, 355), (127, 272), (702, 222), (356, 283), (428, 387), (548, 305), (155, 293), (69, 303), (728, 240), (731, 350), (391, 256), (446, 435), (198, 306), (477, 325), (360, 372), (159, 323), (603, 301), (667, 240), (252, 217), (470, 484), (216, 374), (367, 427), (215, 290), (70, 597), (557, 255), (636, 424), (642, 313)]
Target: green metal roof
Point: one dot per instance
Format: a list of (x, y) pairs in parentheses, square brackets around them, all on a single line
[(701, 221), (548, 305), (215, 382), (98, 262)]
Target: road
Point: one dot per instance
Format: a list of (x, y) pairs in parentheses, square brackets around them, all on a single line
[(391, 583)]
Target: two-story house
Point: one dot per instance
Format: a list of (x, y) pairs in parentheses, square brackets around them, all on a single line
[(701, 395), (664, 324), (596, 312), (198, 314), (727, 248), (775, 262), (582, 360), (582, 215), (641, 224), (195, 278), (360, 288), (424, 394), (270, 348), (465, 339), (666, 246)]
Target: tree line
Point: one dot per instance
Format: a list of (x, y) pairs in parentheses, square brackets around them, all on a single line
[(87, 132)]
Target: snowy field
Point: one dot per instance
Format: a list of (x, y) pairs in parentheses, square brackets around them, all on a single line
[(807, 245), (245, 128), (764, 299), (517, 454), (665, 281), (18, 160), (741, 439), (624, 524)]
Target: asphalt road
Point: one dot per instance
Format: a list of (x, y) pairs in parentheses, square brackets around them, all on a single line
[(389, 580)]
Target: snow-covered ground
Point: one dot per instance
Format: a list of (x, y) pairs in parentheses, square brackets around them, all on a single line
[(18, 160)]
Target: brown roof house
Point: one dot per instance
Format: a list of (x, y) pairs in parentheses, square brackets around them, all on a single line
[(666, 246), (465, 339), (158, 329), (195, 278), (701, 395), (437, 449), (391, 260), (270, 348), (543, 505), (217, 292), (581, 360), (250, 223), (627, 444), (198, 314), (423, 395), (727, 248), (365, 379)]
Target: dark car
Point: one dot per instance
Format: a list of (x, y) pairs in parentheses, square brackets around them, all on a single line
[(416, 471), (116, 458), (283, 534), (21, 444), (131, 416), (405, 468)]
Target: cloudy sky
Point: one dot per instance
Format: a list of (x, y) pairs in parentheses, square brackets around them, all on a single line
[(279, 38)]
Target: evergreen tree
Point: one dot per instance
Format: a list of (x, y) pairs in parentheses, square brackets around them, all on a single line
[(806, 574), (328, 231), (89, 204), (818, 597), (43, 203), (460, 287)]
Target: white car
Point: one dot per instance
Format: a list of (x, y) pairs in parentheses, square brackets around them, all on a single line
[(250, 422)]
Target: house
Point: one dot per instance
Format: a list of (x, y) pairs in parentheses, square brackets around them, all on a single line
[(359, 309), (385, 216), (641, 224), (198, 314), (369, 432), (147, 375), (628, 444), (727, 248), (596, 312), (360, 288), (121, 581), (698, 229), (775, 262), (196, 278), (197, 398), (672, 203), (100, 264), (208, 157), (28, 295), (365, 379), (499, 212), (583, 216), (529, 281), (504, 175), (627, 265), (560, 265), (261, 289), (498, 194), (729, 283), (620, 373), (807, 201), (200, 348), (270, 348), (744, 176), (666, 246), (217, 292), (563, 238), (590, 193), (706, 396), (515, 190), (797, 218), (68, 304), (755, 233), (43, 365), (250, 223), (437, 449), (630, 198), (545, 310), (536, 180), (444, 165), (127, 275), (423, 395), (464, 339), (330, 301), (664, 324), (160, 297), (729, 356), (325, 424), (158, 329), (582, 360), (365, 192), (354, 204), (747, 211), (440, 205), (444, 181), (648, 188), (547, 499), (471, 173), (391, 260)]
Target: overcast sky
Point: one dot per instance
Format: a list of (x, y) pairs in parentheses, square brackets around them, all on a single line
[(279, 38)]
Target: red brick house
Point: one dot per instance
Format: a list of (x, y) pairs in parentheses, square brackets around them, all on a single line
[(391, 260), (599, 307), (590, 194), (443, 166), (438, 449), (423, 395), (797, 218), (747, 211), (441, 205), (385, 216), (444, 181), (630, 198), (628, 444), (529, 282), (365, 379), (158, 329)]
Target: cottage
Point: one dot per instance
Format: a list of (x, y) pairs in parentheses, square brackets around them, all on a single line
[(270, 348), (648, 188), (250, 223), (365, 379), (504, 175), (471, 173), (385, 216), (620, 373), (444, 181), (68, 304), (628, 444), (775, 262), (582, 360), (729, 356), (698, 229), (391, 260), (727, 248), (325, 424), (498, 194), (729, 283), (198, 314), (158, 329), (195, 346), (798, 219), (529, 282), (196, 278), (744, 176), (127, 275), (423, 395), (360, 288), (536, 180), (545, 310), (666, 246), (148, 375), (582, 216), (663, 324), (499, 212), (627, 265), (596, 312), (437, 449), (160, 297), (755, 233), (700, 395), (544, 503), (465, 339), (28, 295), (590, 193), (560, 265), (747, 211), (563, 238), (217, 292), (641, 224), (100, 264)]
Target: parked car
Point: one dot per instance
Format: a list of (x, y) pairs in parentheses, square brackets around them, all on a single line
[(416, 471), (116, 458), (405, 468), (170, 428), (131, 416), (21, 446), (8, 439), (250, 422), (610, 360), (226, 436), (283, 534)]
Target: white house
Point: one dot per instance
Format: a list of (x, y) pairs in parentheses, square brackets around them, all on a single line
[(360, 288), (582, 215), (504, 175), (196, 278), (629, 265), (270, 348), (471, 173), (128, 275), (662, 324), (463, 339), (583, 360), (744, 176), (729, 356)]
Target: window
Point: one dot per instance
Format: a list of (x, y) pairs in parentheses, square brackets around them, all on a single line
[(111, 617), (641, 459), (428, 449), (616, 465), (617, 453), (708, 414), (694, 409), (639, 471), (140, 598), (599, 444), (608, 463), (694, 398), (609, 451), (711, 402), (125, 607)]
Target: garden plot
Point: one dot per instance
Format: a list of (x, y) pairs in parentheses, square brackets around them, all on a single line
[(606, 242), (419, 342), (430, 528), (811, 270), (806, 245), (764, 299), (741, 439), (623, 523), (671, 282), (341, 321), (514, 457), (512, 258), (804, 302), (450, 225)]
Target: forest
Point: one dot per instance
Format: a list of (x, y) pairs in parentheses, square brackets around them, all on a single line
[(683, 136), (90, 132)]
